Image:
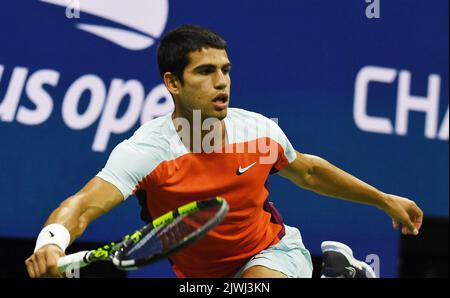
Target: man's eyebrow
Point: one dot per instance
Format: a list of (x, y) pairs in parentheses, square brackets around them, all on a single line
[(206, 66), (227, 65)]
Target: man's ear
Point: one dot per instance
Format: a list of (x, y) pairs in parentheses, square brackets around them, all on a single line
[(172, 83)]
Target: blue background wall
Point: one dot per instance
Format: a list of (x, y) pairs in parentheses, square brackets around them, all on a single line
[(292, 60)]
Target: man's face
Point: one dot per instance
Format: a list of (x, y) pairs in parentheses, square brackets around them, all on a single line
[(206, 85)]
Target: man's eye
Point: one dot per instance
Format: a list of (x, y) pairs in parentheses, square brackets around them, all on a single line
[(205, 72)]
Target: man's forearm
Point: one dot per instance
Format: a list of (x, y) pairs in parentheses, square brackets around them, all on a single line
[(70, 215), (96, 198), (64, 225), (327, 179)]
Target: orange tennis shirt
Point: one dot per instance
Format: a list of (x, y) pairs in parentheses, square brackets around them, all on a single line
[(155, 165)]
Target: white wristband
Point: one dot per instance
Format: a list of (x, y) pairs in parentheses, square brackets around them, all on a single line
[(53, 234)]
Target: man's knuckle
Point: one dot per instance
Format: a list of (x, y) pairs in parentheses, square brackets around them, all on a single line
[(39, 254), (51, 264)]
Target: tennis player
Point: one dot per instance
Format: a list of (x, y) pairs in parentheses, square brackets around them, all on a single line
[(206, 149)]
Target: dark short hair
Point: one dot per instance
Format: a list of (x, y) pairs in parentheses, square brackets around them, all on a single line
[(175, 46)]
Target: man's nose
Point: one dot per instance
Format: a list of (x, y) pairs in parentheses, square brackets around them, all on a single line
[(221, 81)]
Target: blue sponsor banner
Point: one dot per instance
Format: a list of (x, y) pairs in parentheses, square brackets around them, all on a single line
[(363, 85)]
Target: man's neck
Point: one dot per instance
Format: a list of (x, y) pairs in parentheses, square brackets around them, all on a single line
[(198, 134)]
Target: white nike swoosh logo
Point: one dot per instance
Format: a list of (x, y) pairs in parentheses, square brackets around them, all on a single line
[(241, 171)]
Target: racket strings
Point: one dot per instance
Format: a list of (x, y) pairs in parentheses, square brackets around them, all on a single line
[(162, 239), (147, 245), (185, 228)]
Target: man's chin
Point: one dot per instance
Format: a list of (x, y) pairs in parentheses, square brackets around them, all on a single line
[(222, 114), (217, 114)]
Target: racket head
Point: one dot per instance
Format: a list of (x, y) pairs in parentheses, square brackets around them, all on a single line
[(167, 235)]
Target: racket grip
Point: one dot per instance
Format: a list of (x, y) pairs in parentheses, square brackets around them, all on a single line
[(78, 260)]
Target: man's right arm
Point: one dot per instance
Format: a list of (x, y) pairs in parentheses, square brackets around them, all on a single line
[(96, 198)]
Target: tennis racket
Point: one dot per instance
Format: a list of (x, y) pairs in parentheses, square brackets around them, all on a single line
[(159, 239)]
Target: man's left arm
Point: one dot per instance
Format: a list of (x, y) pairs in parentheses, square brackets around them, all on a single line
[(318, 175)]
